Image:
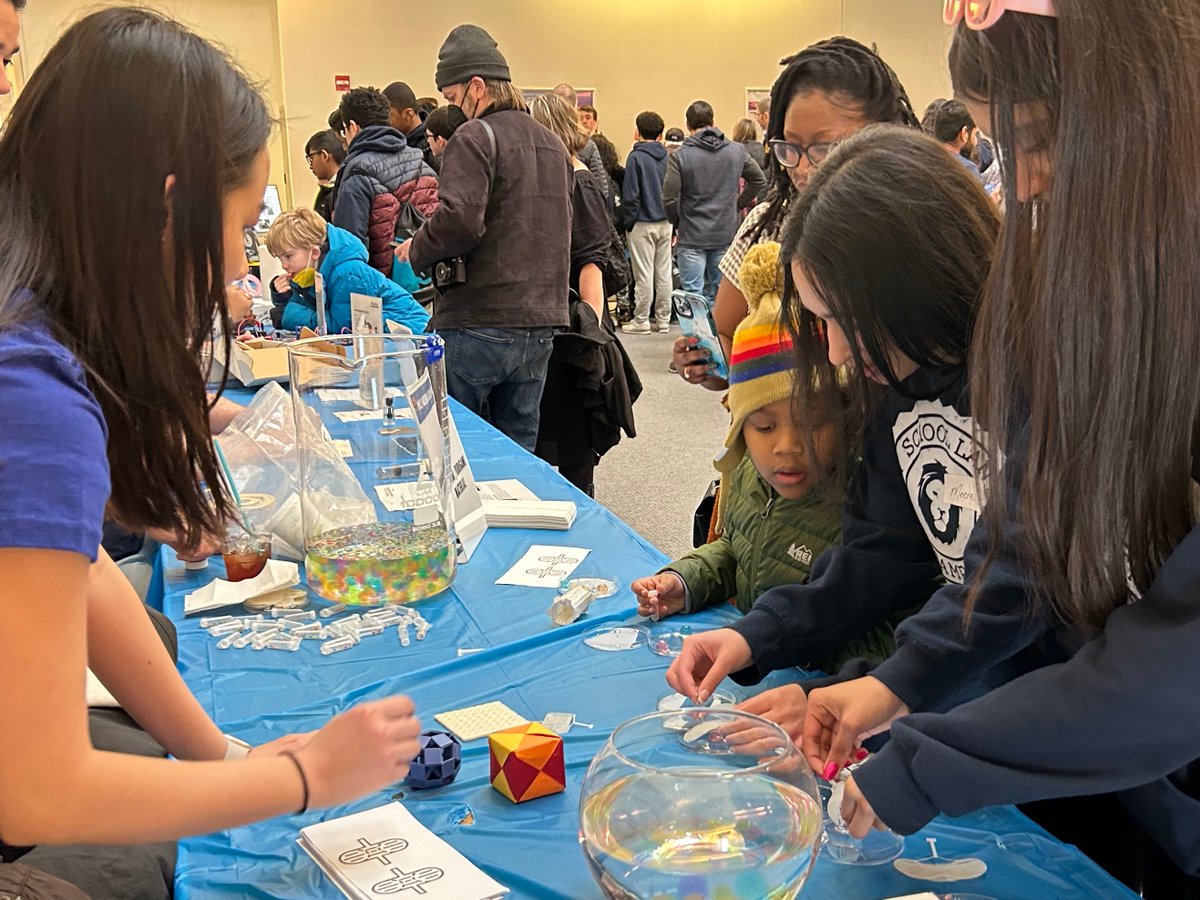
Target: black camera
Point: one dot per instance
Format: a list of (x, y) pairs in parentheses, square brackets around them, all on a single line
[(450, 271)]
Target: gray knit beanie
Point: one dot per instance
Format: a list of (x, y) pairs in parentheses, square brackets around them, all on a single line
[(467, 52)]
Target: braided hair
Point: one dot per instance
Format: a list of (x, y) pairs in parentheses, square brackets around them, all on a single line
[(841, 66)]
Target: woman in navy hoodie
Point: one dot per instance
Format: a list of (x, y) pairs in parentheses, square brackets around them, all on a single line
[(1085, 384)]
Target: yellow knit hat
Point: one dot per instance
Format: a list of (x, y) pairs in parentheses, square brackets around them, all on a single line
[(762, 366)]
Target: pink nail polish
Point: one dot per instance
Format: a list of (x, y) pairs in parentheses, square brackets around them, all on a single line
[(861, 755), (831, 769)]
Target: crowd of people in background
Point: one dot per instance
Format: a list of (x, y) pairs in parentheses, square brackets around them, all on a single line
[(960, 471)]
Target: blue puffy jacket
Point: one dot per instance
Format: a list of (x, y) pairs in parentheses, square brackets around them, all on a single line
[(345, 270)]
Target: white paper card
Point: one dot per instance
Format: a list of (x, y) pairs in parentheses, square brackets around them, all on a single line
[(959, 490), (472, 722), (219, 592), (343, 447), (544, 566), (419, 496), (504, 489), (387, 851), (470, 520), (366, 314), (368, 415)]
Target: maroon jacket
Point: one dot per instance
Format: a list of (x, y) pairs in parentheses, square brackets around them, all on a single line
[(380, 173)]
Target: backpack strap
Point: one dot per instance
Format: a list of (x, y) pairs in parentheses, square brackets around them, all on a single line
[(494, 154)]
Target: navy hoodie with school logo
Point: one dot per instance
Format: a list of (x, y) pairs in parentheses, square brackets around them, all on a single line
[(905, 523), (1070, 713)]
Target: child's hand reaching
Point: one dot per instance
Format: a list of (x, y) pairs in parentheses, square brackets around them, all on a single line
[(660, 595)]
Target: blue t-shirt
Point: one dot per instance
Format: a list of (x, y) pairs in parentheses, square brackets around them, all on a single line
[(54, 478)]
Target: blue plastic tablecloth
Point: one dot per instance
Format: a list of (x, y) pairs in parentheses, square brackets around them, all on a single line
[(532, 848)]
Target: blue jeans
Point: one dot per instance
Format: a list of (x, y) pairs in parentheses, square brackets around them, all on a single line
[(499, 373), (698, 270)]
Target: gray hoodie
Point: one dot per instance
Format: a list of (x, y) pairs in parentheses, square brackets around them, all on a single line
[(701, 188)]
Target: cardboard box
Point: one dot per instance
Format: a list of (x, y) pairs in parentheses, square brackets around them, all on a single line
[(254, 362)]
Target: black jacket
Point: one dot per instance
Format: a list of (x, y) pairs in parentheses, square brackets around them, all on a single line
[(512, 227), (642, 190), (591, 386)]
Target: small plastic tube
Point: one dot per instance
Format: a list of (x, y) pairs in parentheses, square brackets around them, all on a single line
[(302, 614), (241, 641), (390, 619), (284, 643), (310, 631), (259, 641), (422, 629), (226, 628), (265, 627), (404, 638), (226, 642), (366, 629), (210, 621), (330, 611), (337, 644)]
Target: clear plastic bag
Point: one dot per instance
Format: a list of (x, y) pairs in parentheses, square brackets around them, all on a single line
[(260, 446)]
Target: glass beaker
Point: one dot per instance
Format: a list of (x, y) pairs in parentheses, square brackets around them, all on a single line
[(374, 466), (724, 806)]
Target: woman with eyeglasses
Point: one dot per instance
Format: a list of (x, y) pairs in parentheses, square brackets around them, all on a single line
[(1085, 386), (826, 92)]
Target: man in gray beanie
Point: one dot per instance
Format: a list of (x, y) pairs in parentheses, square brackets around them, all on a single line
[(499, 244)]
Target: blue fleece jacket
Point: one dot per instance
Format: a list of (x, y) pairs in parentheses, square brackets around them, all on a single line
[(641, 192), (345, 270)]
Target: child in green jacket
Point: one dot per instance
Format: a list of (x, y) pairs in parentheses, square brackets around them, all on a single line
[(774, 521)]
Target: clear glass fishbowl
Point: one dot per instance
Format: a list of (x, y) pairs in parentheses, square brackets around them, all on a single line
[(723, 807), (374, 459)]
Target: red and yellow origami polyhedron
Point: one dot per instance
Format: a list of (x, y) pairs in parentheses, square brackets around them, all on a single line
[(527, 762)]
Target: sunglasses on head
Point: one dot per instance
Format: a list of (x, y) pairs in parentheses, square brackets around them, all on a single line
[(981, 14)]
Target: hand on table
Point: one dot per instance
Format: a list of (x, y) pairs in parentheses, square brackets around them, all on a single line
[(857, 813), (671, 597), (287, 743), (695, 365), (403, 250), (705, 660), (840, 717), (362, 750)]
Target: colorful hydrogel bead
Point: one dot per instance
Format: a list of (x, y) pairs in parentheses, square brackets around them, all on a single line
[(363, 565)]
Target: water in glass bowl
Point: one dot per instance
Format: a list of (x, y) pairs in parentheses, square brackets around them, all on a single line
[(658, 834)]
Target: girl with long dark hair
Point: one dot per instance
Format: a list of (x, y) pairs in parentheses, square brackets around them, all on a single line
[(129, 169), (1086, 391), (886, 250)]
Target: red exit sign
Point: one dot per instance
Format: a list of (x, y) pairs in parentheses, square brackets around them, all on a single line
[(341, 82)]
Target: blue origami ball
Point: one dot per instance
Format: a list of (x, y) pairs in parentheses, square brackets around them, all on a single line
[(438, 762)]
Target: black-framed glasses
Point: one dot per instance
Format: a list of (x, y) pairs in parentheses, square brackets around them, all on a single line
[(789, 154)]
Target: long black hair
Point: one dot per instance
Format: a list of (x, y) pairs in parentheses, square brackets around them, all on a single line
[(897, 239), (125, 100), (1091, 316), (843, 68)]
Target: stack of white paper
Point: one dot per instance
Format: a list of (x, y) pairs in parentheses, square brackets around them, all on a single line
[(554, 515), (387, 851)]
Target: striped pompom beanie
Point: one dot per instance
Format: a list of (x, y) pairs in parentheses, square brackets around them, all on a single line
[(762, 367)]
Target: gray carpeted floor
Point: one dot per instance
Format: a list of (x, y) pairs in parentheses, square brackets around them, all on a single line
[(654, 481)]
